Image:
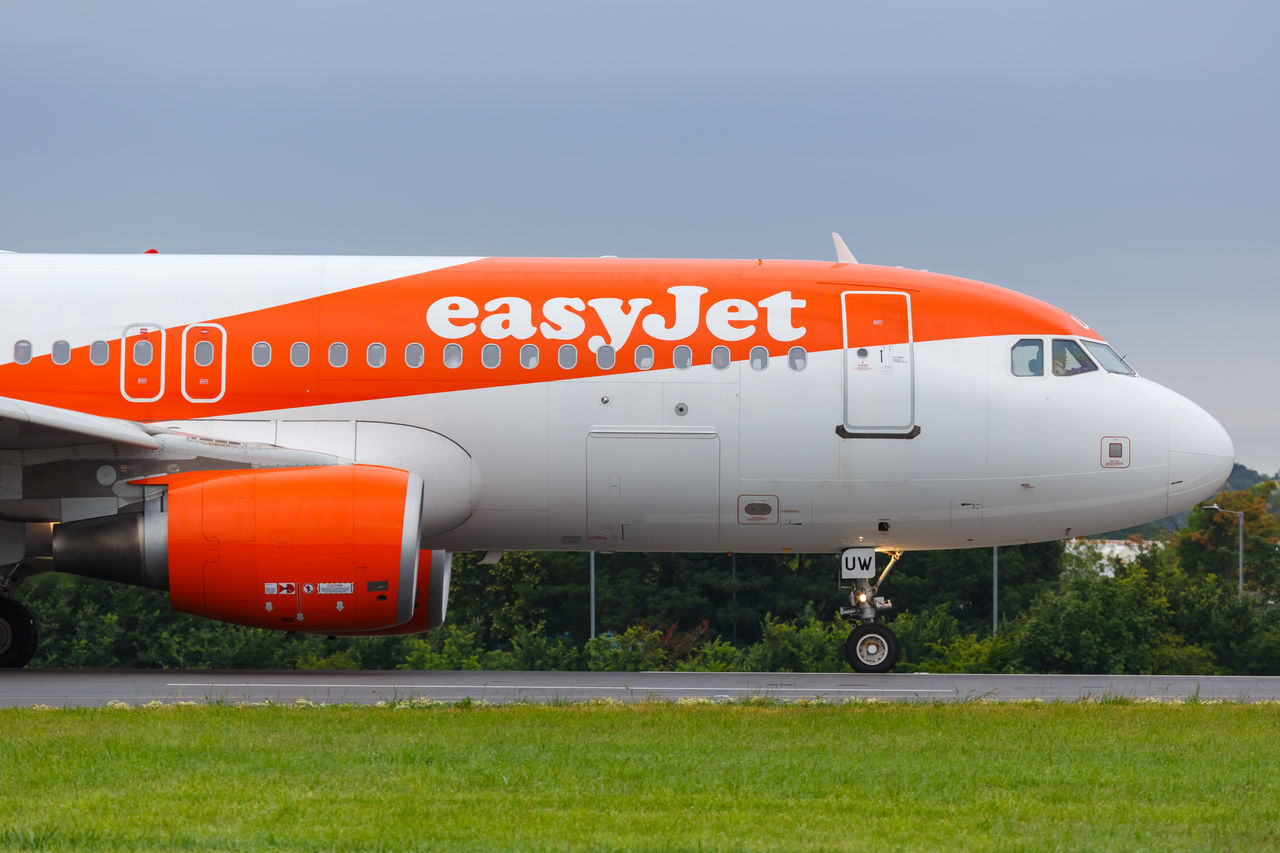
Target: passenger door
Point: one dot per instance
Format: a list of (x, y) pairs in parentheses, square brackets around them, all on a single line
[(879, 363)]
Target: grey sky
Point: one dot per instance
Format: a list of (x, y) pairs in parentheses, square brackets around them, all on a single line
[(1117, 159)]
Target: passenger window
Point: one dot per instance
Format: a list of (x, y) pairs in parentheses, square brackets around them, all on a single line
[(299, 354), (452, 355), (261, 354), (682, 358), (720, 358), (22, 352), (61, 352), (1108, 358), (644, 356), (491, 355), (759, 358), (529, 356), (1069, 358), (797, 358), (99, 353), (1027, 357), (375, 355), (414, 355), (568, 356), (142, 352), (202, 353), (337, 355), (605, 357)]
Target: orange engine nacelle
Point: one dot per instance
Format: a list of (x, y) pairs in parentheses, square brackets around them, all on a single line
[(430, 599), (330, 550)]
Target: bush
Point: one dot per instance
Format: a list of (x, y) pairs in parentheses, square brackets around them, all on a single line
[(918, 632), (450, 646), (531, 649), (802, 645), (638, 649)]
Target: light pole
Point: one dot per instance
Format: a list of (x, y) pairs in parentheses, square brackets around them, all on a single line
[(1240, 547), (995, 590)]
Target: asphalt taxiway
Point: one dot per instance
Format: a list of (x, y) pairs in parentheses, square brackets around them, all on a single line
[(82, 688)]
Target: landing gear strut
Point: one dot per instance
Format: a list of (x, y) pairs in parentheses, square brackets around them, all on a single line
[(871, 646)]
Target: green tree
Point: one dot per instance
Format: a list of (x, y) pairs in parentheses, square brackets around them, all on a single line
[(961, 582), (1210, 541)]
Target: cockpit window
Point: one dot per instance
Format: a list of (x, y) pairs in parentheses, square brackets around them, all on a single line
[(1108, 358), (1069, 358), (1027, 357)]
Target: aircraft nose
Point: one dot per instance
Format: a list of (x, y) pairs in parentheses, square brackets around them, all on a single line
[(1201, 456)]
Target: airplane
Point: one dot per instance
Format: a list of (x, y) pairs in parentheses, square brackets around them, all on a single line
[(303, 442)]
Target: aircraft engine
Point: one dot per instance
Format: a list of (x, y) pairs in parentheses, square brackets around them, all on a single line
[(330, 550)]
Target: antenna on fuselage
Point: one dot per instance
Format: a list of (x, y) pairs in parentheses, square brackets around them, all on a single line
[(843, 255)]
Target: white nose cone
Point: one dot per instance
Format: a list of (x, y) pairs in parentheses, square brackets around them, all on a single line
[(1200, 456)]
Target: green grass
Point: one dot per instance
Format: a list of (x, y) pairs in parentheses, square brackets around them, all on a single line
[(970, 776)]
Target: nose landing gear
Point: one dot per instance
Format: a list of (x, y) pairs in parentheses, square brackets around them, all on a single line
[(871, 646)]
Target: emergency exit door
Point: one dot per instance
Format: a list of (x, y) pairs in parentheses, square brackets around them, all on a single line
[(879, 363), (142, 368), (204, 362)]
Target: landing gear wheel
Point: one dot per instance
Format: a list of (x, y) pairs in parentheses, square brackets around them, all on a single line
[(17, 634), (871, 647)]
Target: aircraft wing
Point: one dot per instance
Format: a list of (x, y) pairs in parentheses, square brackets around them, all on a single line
[(26, 425), (50, 434)]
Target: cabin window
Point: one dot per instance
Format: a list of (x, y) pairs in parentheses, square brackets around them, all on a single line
[(797, 358), (682, 358), (1069, 358), (22, 352), (452, 355), (337, 355), (720, 358), (491, 355), (61, 352), (644, 357), (261, 354), (99, 353), (142, 353), (299, 354), (375, 355), (414, 355), (759, 358), (1026, 358), (568, 356), (529, 356), (605, 357), (202, 354), (1108, 358)]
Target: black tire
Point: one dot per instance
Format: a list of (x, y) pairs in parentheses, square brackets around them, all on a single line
[(871, 647), (17, 634)]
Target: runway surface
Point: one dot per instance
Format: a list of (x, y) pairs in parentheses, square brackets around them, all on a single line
[(92, 688)]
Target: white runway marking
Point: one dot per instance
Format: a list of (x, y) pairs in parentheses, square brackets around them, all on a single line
[(543, 687)]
